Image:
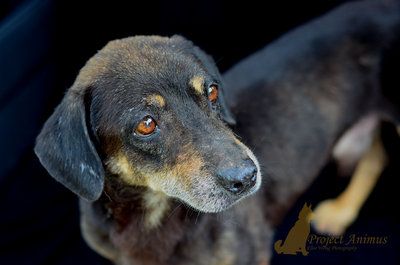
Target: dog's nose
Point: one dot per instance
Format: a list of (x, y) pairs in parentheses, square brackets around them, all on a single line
[(238, 179)]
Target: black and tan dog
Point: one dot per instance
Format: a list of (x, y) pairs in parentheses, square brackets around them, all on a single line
[(141, 136), (144, 124)]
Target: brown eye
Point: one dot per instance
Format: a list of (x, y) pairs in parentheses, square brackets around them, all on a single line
[(146, 126), (212, 93)]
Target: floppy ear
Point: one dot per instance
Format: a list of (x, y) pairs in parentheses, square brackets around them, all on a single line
[(65, 149)]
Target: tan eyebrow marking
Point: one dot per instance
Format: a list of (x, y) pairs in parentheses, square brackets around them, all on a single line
[(197, 83), (155, 100)]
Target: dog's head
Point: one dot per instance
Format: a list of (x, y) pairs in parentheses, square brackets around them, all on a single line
[(149, 110)]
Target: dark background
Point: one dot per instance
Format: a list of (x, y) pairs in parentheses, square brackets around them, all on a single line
[(43, 44)]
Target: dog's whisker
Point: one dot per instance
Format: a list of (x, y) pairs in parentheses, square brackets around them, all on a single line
[(238, 136), (174, 210), (198, 214), (108, 196), (217, 61)]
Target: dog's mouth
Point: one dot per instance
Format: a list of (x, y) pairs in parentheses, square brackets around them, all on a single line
[(212, 197)]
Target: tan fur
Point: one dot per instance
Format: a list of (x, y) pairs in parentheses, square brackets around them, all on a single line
[(177, 180), (156, 204), (334, 216), (119, 165), (159, 182), (197, 83), (355, 142), (155, 100), (188, 164)]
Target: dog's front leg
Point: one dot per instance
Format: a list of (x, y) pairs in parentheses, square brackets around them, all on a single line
[(336, 215)]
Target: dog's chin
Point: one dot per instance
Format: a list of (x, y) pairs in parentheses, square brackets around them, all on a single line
[(215, 199)]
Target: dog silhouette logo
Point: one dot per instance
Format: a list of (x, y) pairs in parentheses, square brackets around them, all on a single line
[(297, 237)]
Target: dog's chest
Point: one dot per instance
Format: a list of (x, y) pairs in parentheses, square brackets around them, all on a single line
[(187, 237)]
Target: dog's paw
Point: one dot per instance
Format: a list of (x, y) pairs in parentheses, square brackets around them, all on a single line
[(332, 217)]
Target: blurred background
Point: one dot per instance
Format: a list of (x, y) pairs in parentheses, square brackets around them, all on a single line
[(43, 44)]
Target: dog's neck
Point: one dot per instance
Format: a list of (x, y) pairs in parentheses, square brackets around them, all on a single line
[(146, 224), (153, 206), (121, 226)]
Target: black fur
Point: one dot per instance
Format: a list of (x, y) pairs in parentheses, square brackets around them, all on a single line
[(65, 148), (294, 98)]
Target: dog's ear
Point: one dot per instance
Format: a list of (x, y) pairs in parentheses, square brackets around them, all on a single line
[(65, 149)]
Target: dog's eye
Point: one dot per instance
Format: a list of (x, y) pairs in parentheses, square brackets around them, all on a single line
[(212, 92), (146, 126)]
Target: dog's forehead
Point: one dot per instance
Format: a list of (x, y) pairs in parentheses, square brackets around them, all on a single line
[(133, 75), (141, 58), (147, 62)]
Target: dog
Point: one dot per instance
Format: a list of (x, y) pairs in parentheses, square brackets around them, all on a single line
[(142, 136), (143, 130), (320, 92), (297, 237)]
